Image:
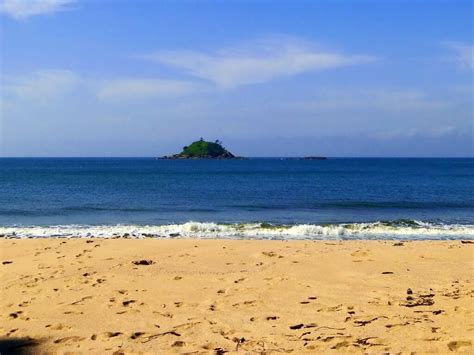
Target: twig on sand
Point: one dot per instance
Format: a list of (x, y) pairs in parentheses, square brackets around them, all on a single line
[(238, 341)]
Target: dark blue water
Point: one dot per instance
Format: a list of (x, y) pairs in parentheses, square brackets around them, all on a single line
[(155, 192)]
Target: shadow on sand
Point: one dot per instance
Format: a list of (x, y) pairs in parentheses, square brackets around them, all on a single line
[(21, 346)]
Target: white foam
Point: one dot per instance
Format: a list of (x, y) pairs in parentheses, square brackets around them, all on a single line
[(375, 230)]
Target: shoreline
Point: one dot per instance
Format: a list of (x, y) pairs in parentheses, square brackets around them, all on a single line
[(213, 295), (375, 230)]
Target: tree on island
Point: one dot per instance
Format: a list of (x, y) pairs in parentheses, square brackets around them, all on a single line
[(202, 149)]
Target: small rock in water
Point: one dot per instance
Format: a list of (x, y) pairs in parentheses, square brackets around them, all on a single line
[(173, 235)]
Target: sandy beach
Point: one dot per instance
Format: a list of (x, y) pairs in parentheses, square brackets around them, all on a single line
[(216, 296)]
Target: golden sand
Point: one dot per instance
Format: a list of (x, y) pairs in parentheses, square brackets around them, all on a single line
[(214, 296)]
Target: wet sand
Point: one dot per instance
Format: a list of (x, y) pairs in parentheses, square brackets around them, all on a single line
[(216, 296)]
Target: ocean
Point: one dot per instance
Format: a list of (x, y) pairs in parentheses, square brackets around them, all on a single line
[(265, 198)]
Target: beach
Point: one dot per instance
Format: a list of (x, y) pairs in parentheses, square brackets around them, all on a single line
[(100, 295)]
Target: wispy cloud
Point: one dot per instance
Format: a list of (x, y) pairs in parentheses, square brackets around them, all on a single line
[(137, 89), (371, 99), (463, 54), (45, 86), (21, 9), (41, 86), (256, 62), (407, 133)]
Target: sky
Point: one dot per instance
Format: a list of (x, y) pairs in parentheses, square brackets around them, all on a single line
[(141, 78)]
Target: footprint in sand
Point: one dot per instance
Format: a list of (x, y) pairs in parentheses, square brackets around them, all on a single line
[(73, 312), (459, 345), (80, 302), (23, 304), (137, 335), (363, 323), (340, 345), (112, 334), (19, 315), (107, 335), (15, 315), (166, 314), (361, 255), (144, 262), (270, 254), (246, 303), (128, 302), (178, 343), (98, 282), (272, 317), (11, 331), (57, 326), (71, 339)]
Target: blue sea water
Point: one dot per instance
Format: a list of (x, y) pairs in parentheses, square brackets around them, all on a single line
[(259, 197)]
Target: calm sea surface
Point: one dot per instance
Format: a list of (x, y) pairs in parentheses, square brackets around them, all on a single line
[(263, 198)]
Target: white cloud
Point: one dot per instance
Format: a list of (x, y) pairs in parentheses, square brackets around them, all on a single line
[(257, 62), (434, 132), (45, 86), (464, 54), (41, 86), (21, 9), (135, 89), (370, 99)]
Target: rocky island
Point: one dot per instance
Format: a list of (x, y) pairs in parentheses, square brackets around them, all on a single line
[(314, 158), (202, 149)]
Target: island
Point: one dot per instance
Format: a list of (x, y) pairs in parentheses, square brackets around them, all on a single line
[(314, 158), (202, 149)]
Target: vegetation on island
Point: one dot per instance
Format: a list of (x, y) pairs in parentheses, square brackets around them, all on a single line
[(202, 149)]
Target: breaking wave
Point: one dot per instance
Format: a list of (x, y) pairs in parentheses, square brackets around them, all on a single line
[(402, 229)]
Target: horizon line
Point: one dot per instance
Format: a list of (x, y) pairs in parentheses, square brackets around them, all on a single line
[(245, 157)]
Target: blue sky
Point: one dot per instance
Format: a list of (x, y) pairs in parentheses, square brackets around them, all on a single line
[(268, 78)]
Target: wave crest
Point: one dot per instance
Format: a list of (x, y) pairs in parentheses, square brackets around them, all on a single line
[(403, 229)]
